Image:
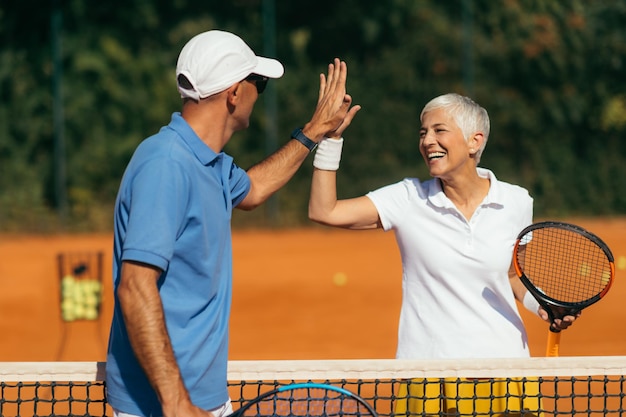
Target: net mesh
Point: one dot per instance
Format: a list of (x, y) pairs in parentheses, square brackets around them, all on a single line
[(565, 386)]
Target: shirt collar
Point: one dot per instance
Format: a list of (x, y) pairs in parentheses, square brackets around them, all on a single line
[(438, 198), (204, 154)]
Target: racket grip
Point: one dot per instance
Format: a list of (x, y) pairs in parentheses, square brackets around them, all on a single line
[(554, 340)]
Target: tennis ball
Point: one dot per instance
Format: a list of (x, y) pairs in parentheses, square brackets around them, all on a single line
[(67, 280), (340, 279), (91, 313), (92, 287), (67, 305), (606, 277), (79, 311), (621, 262), (584, 269), (67, 283), (67, 298), (91, 300), (78, 294), (68, 315), (67, 310)]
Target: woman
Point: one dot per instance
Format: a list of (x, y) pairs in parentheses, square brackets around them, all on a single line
[(456, 234)]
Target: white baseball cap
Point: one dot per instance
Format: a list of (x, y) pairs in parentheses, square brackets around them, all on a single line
[(213, 61)]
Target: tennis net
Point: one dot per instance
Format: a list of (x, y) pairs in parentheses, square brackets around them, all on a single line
[(592, 386)]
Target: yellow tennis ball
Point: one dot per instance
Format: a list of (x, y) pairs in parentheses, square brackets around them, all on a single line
[(96, 286), (67, 310), (91, 313), (67, 285), (621, 262), (78, 294), (67, 304), (91, 300), (68, 315), (67, 280), (606, 277), (79, 311), (584, 269), (340, 279)]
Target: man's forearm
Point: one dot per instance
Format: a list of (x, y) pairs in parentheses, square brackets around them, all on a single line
[(269, 175), (145, 322)]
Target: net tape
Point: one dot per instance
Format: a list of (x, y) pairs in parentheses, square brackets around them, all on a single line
[(554, 386)]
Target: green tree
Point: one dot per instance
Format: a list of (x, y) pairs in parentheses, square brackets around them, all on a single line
[(549, 73)]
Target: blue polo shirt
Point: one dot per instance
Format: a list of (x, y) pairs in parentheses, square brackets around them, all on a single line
[(173, 211)]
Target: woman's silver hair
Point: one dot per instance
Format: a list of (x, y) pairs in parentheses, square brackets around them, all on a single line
[(468, 115)]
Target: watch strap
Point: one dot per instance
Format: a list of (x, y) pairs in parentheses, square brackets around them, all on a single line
[(298, 135)]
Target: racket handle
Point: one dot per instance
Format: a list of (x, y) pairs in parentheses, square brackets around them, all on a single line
[(554, 340)]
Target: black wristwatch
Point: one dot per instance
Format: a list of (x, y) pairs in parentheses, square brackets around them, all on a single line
[(301, 137)]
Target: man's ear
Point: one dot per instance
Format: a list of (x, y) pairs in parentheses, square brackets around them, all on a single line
[(233, 92)]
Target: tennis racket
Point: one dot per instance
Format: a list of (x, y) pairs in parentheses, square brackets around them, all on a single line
[(306, 399), (565, 267)]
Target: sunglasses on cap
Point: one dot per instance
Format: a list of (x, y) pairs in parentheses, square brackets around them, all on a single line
[(259, 81)]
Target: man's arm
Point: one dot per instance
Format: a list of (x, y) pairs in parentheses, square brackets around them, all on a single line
[(145, 322), (333, 106)]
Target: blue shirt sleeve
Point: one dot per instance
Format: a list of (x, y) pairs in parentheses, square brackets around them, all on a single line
[(239, 184), (159, 196)]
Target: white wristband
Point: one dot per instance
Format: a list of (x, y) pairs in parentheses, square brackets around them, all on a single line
[(530, 303), (328, 154)]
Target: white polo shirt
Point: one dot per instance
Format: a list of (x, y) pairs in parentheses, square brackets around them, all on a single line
[(457, 301)]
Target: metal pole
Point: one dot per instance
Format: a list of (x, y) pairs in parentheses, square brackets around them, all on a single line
[(468, 47), (271, 130), (57, 111)]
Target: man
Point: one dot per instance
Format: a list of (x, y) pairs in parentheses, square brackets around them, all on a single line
[(172, 245)]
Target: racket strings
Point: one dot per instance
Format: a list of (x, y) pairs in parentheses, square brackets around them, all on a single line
[(308, 402), (564, 264)]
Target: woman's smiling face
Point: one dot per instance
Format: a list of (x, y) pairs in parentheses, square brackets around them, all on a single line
[(442, 144)]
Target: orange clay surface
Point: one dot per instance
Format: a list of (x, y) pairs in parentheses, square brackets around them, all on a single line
[(312, 293)]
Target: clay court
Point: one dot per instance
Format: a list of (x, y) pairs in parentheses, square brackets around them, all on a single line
[(311, 293)]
